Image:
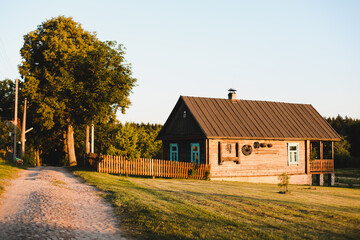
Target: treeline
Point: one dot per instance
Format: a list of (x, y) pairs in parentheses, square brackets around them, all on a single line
[(132, 140), (347, 152)]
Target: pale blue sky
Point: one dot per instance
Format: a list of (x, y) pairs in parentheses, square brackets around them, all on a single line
[(288, 51)]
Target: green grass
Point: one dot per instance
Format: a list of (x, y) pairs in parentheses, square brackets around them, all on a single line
[(7, 171), (348, 172), (190, 209)]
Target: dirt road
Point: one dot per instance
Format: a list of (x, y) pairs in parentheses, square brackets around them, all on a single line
[(50, 203)]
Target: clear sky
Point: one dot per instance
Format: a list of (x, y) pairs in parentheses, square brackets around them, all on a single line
[(287, 51)]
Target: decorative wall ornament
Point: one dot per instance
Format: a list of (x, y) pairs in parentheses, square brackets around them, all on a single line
[(228, 148), (246, 150)]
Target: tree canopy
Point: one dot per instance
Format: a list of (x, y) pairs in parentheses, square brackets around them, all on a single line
[(135, 140), (72, 78)]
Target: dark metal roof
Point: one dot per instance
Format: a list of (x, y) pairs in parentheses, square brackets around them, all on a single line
[(226, 118)]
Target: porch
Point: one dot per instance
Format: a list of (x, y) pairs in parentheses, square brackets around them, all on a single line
[(321, 157), (322, 165)]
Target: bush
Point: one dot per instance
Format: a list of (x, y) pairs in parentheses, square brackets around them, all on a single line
[(207, 175), (284, 182), (30, 158), (192, 173)]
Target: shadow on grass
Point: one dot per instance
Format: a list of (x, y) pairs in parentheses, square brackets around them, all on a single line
[(183, 213)]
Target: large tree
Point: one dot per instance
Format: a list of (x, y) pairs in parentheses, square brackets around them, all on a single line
[(73, 78)]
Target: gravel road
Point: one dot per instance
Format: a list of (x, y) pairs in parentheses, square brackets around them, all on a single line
[(50, 203)]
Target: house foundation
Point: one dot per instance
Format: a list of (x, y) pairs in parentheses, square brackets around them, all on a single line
[(323, 179), (321, 182), (294, 179)]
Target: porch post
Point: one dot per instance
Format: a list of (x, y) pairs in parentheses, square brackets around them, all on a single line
[(307, 156), (332, 155), (321, 155)]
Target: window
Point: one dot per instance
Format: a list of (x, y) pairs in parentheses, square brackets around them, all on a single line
[(293, 153), (195, 153), (174, 152)]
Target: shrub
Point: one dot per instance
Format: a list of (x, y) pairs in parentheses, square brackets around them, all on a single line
[(192, 173), (207, 175), (30, 158), (284, 182)]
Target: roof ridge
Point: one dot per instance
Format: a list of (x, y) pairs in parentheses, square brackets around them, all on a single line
[(248, 100)]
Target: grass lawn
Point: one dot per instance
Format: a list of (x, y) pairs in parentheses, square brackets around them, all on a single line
[(7, 171), (190, 209)]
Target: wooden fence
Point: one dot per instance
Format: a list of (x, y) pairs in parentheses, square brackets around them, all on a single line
[(152, 167)]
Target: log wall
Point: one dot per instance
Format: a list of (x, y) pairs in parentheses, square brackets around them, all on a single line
[(184, 149), (264, 161)]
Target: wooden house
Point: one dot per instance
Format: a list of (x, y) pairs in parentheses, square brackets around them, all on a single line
[(252, 141)]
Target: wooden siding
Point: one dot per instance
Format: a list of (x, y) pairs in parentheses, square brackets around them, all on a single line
[(178, 126), (224, 118), (184, 149), (264, 161)]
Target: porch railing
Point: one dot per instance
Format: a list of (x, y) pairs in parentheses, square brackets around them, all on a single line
[(323, 165)]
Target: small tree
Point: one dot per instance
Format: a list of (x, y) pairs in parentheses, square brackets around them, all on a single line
[(284, 182), (125, 143)]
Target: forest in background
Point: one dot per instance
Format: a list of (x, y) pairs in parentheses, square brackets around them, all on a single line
[(347, 152)]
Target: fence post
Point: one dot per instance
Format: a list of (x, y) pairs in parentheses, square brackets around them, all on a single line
[(152, 169), (127, 168)]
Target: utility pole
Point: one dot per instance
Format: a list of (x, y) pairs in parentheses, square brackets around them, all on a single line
[(15, 123), (23, 131)]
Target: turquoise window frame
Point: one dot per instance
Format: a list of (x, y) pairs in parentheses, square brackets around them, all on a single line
[(293, 154), (195, 154), (174, 154)]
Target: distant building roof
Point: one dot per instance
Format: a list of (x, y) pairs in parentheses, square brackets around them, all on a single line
[(229, 118)]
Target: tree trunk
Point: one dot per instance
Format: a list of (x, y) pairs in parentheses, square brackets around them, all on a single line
[(65, 160), (87, 143), (37, 156), (71, 146)]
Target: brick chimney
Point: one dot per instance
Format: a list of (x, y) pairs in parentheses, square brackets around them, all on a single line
[(232, 94)]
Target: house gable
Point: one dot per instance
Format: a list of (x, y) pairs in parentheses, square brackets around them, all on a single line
[(181, 124)]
